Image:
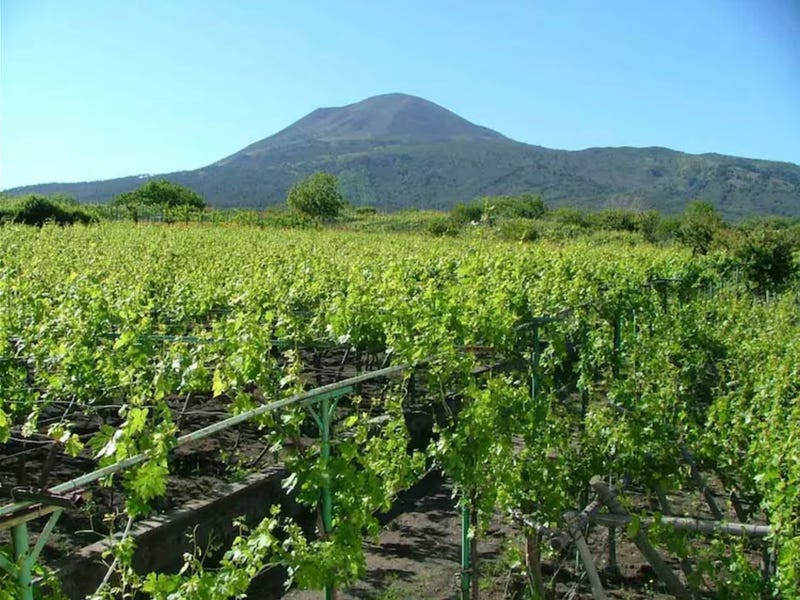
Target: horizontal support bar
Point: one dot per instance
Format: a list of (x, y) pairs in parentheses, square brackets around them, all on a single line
[(34, 511), (332, 390), (687, 524)]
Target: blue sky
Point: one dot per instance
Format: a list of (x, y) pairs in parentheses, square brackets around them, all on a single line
[(94, 90)]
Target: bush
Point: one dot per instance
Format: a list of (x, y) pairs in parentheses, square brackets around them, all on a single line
[(518, 230), (316, 196), (668, 229), (285, 219), (699, 224), (442, 226), (38, 210), (766, 256), (614, 219), (365, 210), (647, 223), (524, 206), (569, 216), (174, 200), (464, 214)]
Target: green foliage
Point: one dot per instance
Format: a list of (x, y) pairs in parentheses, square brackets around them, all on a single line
[(365, 210), (524, 206), (700, 222), (93, 310), (463, 214), (570, 216), (38, 210), (488, 208), (406, 221), (765, 256), (615, 219), (175, 201), (441, 226), (316, 196), (518, 229)]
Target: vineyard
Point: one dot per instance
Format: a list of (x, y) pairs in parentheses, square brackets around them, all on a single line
[(565, 389)]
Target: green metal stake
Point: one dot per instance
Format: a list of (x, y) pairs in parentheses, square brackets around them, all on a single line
[(327, 405), (465, 549), (8, 566), (19, 537), (327, 501)]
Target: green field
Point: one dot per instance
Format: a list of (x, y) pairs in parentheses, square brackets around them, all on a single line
[(621, 351)]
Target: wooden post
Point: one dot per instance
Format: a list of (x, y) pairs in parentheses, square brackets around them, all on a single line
[(598, 593), (674, 585), (686, 565), (698, 480), (533, 564)]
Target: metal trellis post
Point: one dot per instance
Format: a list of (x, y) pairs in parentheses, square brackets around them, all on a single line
[(465, 548), (327, 406)]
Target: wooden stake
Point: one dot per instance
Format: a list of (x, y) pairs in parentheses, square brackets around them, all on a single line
[(674, 585), (533, 565), (598, 593), (697, 477)]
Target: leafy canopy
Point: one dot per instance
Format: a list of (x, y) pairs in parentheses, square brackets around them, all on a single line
[(163, 193), (38, 210), (317, 196)]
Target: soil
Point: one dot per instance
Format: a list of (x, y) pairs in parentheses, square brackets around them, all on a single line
[(418, 554), (197, 470)]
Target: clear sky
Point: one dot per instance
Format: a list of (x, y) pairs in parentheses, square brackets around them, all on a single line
[(101, 89)]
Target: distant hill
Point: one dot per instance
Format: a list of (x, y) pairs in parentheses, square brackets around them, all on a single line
[(398, 151)]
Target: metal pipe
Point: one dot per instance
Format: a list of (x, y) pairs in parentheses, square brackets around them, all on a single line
[(43, 537), (327, 500), (336, 389), (465, 548), (19, 538)]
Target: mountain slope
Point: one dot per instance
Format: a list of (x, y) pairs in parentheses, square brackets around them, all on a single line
[(398, 151)]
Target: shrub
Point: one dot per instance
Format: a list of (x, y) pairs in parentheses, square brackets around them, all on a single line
[(766, 256), (365, 210), (463, 214), (441, 226), (614, 219), (316, 196), (518, 230), (699, 224), (38, 210), (569, 216)]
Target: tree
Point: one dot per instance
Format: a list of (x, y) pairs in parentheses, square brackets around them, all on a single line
[(163, 194), (316, 196), (59, 209), (699, 224)]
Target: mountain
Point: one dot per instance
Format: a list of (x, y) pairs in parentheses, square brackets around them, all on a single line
[(398, 151)]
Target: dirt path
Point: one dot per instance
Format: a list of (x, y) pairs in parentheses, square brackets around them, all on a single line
[(417, 557), (418, 552)]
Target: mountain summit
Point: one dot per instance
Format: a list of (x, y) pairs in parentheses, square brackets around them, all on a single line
[(388, 118), (399, 151)]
